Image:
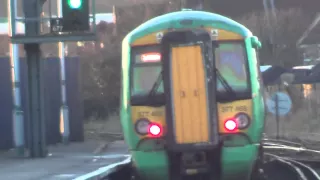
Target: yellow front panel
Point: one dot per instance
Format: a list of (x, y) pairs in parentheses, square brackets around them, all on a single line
[(225, 111), (225, 35), (189, 95), (153, 114), (148, 39), (151, 38), (229, 110)]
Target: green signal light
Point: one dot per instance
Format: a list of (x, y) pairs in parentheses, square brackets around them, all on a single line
[(75, 4)]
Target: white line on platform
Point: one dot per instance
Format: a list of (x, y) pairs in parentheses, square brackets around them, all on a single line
[(65, 175), (103, 170), (106, 156), (111, 156)]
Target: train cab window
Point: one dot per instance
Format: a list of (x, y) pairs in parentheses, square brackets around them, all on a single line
[(146, 67), (144, 77), (231, 62)]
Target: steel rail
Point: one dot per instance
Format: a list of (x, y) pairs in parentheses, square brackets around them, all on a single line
[(304, 171)]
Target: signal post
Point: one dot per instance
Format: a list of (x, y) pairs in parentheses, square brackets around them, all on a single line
[(73, 25)]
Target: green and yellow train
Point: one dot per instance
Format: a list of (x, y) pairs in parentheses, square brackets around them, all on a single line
[(192, 99)]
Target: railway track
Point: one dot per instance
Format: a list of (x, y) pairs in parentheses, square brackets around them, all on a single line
[(274, 168), (293, 156), (287, 168), (282, 160)]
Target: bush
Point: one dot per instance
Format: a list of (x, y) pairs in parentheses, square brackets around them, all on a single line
[(101, 68)]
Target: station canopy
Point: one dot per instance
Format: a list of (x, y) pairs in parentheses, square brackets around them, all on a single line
[(302, 74)]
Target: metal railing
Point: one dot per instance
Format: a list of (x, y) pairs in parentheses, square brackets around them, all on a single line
[(303, 119)]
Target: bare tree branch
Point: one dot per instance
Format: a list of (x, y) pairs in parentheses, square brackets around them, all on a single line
[(286, 30)]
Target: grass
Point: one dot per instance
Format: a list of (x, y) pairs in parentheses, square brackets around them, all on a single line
[(302, 123)]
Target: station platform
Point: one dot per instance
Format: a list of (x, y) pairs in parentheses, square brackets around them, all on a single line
[(64, 162)]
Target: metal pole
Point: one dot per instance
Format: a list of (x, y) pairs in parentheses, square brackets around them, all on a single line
[(64, 109), (94, 23), (17, 113), (305, 34), (273, 10), (277, 114), (266, 10), (36, 122)]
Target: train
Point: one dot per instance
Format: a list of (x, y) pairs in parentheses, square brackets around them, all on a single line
[(192, 101)]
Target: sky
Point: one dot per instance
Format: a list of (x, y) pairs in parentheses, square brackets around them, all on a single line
[(228, 7)]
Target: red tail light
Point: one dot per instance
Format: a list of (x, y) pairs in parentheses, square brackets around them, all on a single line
[(230, 125), (155, 130)]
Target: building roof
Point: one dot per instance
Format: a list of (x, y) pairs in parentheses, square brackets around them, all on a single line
[(271, 74), (302, 74)]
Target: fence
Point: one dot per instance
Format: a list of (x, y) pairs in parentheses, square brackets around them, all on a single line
[(52, 95), (303, 120)]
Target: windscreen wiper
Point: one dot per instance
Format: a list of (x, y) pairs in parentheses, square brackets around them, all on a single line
[(156, 85), (224, 83)]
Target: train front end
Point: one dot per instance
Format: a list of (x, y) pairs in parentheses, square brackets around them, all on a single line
[(188, 98)]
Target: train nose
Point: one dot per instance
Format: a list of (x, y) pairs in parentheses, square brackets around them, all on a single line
[(193, 159)]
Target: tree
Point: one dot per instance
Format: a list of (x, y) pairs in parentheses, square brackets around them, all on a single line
[(101, 68), (285, 30)]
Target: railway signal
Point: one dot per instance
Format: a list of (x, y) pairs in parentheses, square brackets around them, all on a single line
[(75, 15)]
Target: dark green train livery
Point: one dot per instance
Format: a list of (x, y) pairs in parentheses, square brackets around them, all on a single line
[(191, 100)]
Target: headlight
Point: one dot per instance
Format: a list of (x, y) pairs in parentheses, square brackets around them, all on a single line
[(243, 120), (142, 126)]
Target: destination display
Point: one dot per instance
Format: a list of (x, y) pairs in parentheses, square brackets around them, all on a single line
[(150, 57)]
